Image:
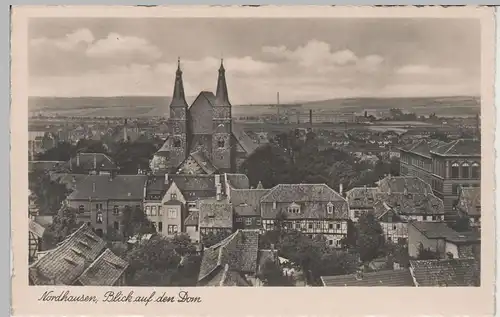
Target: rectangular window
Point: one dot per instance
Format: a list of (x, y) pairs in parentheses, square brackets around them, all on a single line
[(239, 219), (454, 189), (116, 225), (248, 221), (98, 206), (160, 226), (337, 226), (81, 208), (172, 229), (153, 210), (172, 213), (258, 221), (99, 217), (160, 211), (115, 210)]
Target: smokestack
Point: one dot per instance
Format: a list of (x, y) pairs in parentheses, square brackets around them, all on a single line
[(341, 189), (310, 117), (278, 97)]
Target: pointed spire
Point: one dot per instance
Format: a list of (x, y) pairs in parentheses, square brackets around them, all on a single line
[(178, 97), (221, 96)]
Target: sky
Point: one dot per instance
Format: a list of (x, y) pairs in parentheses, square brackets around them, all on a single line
[(303, 59)]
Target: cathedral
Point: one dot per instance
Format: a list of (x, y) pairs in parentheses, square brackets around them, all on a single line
[(203, 139)]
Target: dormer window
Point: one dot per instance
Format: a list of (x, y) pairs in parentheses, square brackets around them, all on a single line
[(330, 208), (294, 208)]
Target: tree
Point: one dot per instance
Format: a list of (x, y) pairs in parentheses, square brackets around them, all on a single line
[(131, 156), (134, 222), (461, 224), (212, 238), (61, 152), (48, 194), (349, 241), (271, 275), (63, 224), (90, 146), (370, 239)]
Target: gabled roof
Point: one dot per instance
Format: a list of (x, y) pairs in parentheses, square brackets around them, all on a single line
[(461, 147), (64, 264), (91, 161), (203, 162), (408, 204), (433, 230), (208, 95), (379, 278), (104, 271), (194, 187), (238, 181), (239, 251), (301, 193), (215, 214), (423, 147), (246, 202), (453, 272), (243, 139), (227, 277), (400, 184), (361, 197), (469, 200), (192, 219), (105, 187)]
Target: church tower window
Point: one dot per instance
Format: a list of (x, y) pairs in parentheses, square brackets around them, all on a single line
[(177, 143), (220, 143)]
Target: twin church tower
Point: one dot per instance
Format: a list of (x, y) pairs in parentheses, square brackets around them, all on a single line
[(202, 131)]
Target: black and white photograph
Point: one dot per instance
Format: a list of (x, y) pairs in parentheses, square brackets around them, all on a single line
[(257, 152)]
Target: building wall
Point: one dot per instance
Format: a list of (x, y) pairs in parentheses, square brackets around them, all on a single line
[(415, 237), (193, 233), (247, 222), (395, 231), (172, 217), (451, 248)]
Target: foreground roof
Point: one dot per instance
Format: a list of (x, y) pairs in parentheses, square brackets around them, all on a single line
[(246, 202), (461, 147), (104, 271), (239, 252), (453, 272), (64, 264), (380, 278)]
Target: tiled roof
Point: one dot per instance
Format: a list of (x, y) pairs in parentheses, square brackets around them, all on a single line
[(361, 197), (433, 230), (400, 184), (246, 202), (408, 204), (469, 201), (239, 251), (453, 272), (203, 162), (70, 180), (227, 277), (423, 147), (64, 264), (379, 278), (439, 230), (104, 271), (36, 228), (193, 182), (243, 139), (192, 219), (302, 193), (90, 161), (106, 187), (238, 181), (215, 214), (461, 147)]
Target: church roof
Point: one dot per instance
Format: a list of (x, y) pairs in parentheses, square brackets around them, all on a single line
[(203, 162)]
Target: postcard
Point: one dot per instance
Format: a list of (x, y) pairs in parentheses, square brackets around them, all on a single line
[(243, 160)]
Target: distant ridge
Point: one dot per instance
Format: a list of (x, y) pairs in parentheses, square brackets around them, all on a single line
[(155, 106)]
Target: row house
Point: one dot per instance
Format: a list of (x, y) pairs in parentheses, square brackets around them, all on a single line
[(446, 166), (469, 205), (101, 199), (81, 259), (395, 202), (310, 208)]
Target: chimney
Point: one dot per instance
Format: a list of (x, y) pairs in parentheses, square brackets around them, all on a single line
[(166, 178), (405, 192), (145, 190), (78, 159), (310, 117), (93, 187), (341, 189), (218, 186)]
